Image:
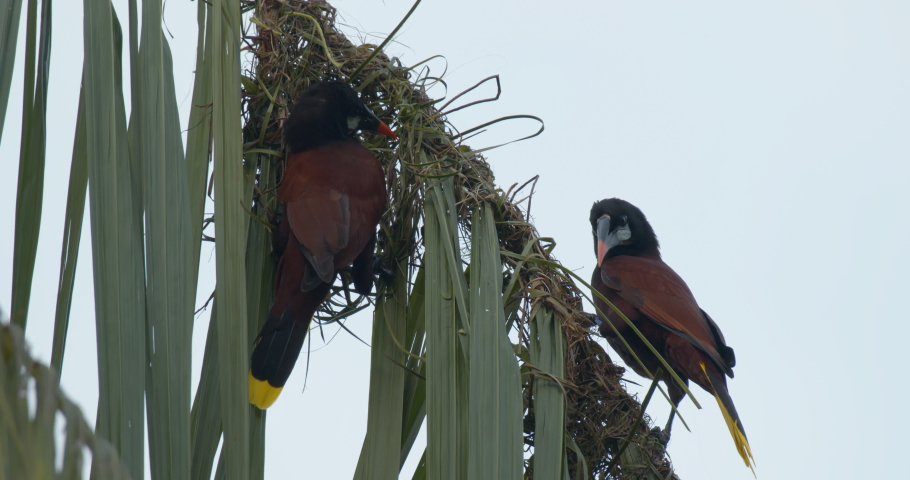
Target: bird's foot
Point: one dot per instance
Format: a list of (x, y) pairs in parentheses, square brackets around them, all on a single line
[(663, 436), (382, 270), (594, 319)]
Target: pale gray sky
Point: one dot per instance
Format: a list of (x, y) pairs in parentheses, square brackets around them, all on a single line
[(768, 144)]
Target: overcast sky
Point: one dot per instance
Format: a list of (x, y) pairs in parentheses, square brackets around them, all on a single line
[(767, 142)]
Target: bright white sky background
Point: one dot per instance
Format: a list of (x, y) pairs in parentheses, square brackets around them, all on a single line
[(767, 142)]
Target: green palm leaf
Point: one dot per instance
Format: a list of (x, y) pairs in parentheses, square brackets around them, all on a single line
[(10, 13), (30, 191), (117, 254), (495, 390), (231, 233), (170, 272)]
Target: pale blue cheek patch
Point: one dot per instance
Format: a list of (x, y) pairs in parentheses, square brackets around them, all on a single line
[(623, 233)]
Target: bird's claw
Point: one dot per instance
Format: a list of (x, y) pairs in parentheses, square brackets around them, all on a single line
[(595, 319), (382, 270), (663, 436)]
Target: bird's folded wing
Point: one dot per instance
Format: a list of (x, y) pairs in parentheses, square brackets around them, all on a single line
[(653, 288), (334, 198), (320, 219)]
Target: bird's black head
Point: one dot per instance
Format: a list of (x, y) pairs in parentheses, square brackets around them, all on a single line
[(329, 112), (620, 228)]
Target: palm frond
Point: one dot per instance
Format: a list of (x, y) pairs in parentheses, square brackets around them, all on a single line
[(27, 440), (445, 214)]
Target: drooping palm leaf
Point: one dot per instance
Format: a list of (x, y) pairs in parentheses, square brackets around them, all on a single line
[(72, 234), (117, 253), (380, 454), (10, 14), (231, 235), (30, 190), (170, 273), (414, 401), (445, 411), (548, 352)]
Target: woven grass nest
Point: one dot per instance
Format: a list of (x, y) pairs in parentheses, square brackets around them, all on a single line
[(295, 44)]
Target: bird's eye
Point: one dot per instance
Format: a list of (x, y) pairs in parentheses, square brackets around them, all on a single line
[(624, 220)]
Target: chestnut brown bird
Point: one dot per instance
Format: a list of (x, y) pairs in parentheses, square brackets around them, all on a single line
[(333, 193), (633, 277)]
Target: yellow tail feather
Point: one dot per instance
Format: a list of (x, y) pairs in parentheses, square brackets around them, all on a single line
[(742, 445), (261, 393)]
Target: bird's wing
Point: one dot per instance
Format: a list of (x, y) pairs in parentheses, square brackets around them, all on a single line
[(319, 213), (334, 199), (653, 288)]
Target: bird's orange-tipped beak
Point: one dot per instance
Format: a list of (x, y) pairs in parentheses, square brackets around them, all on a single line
[(601, 251), (385, 130)]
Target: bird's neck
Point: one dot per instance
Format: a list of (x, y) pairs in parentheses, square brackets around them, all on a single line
[(634, 251), (315, 135)]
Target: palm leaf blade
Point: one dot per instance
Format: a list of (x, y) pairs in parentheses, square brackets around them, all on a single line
[(72, 233), (495, 405), (231, 234), (414, 402), (380, 455), (117, 256), (9, 39), (206, 413), (169, 269), (548, 354), (445, 412), (260, 271), (30, 191), (199, 127)]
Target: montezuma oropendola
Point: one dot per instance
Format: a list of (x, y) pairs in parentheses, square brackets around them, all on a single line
[(333, 193), (633, 277)]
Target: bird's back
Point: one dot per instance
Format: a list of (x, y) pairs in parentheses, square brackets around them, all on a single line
[(335, 196)]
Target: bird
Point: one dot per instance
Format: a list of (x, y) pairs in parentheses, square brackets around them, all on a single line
[(632, 276), (331, 198)]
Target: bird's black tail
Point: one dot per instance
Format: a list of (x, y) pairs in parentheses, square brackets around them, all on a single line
[(730, 416), (279, 344), (273, 359)]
